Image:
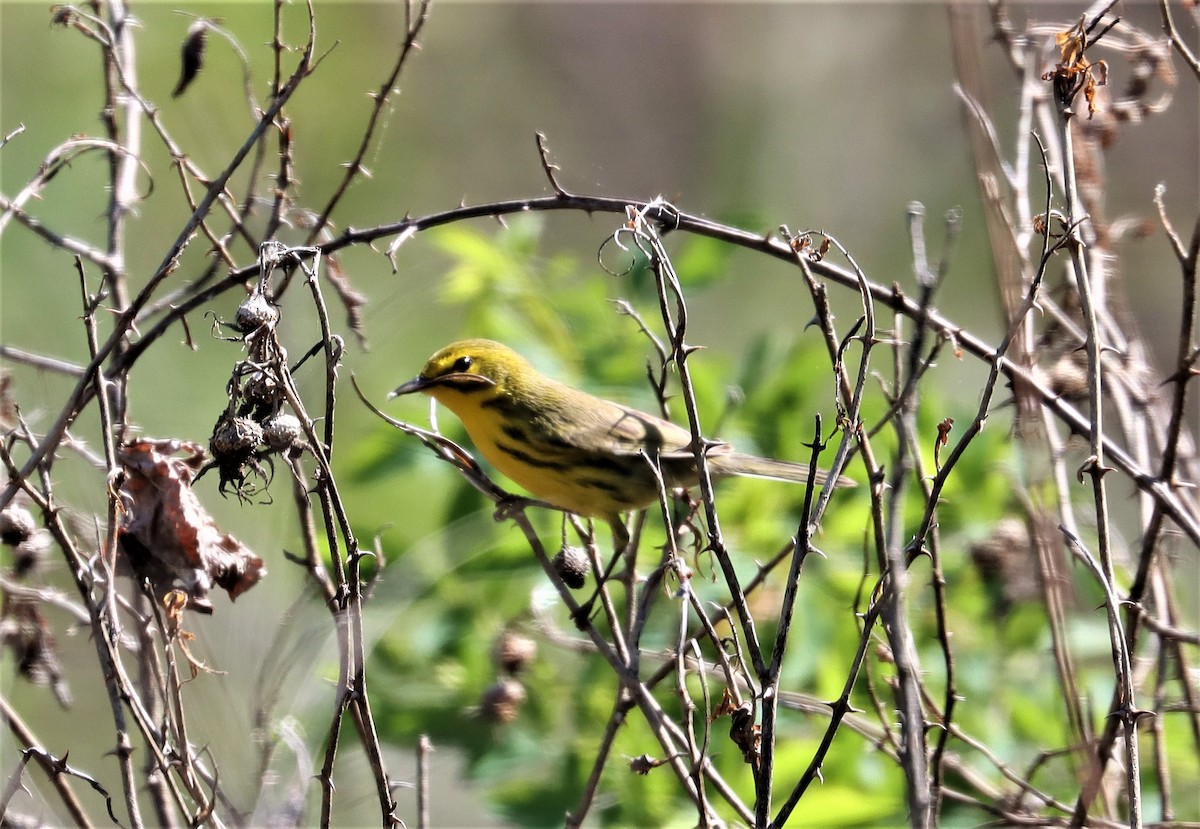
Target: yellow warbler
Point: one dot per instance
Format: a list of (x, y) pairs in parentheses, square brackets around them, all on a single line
[(576, 451)]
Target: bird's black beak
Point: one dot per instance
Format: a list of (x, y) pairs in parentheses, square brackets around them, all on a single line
[(418, 383)]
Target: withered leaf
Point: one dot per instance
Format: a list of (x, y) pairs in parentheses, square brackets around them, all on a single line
[(167, 535), (24, 630), (191, 55)]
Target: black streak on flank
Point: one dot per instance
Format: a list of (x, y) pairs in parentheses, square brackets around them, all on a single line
[(599, 483), (555, 442), (525, 457), (516, 432), (618, 466)]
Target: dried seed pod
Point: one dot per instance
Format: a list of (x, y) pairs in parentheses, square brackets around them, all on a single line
[(261, 388), (235, 437), (235, 446), (16, 525), (1005, 562), (1069, 378), (572, 566), (255, 312), (501, 701), (29, 555), (514, 651), (282, 432)]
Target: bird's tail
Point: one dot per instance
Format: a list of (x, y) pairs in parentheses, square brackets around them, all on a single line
[(752, 466)]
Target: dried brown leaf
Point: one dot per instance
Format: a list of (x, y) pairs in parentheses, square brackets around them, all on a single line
[(167, 535), (24, 630)]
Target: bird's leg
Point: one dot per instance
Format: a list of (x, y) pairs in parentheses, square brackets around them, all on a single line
[(621, 539)]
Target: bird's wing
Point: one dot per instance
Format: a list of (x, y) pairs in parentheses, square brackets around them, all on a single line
[(623, 430)]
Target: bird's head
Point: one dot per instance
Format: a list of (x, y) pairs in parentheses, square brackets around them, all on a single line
[(469, 370)]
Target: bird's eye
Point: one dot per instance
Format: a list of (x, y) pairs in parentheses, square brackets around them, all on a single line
[(462, 364)]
